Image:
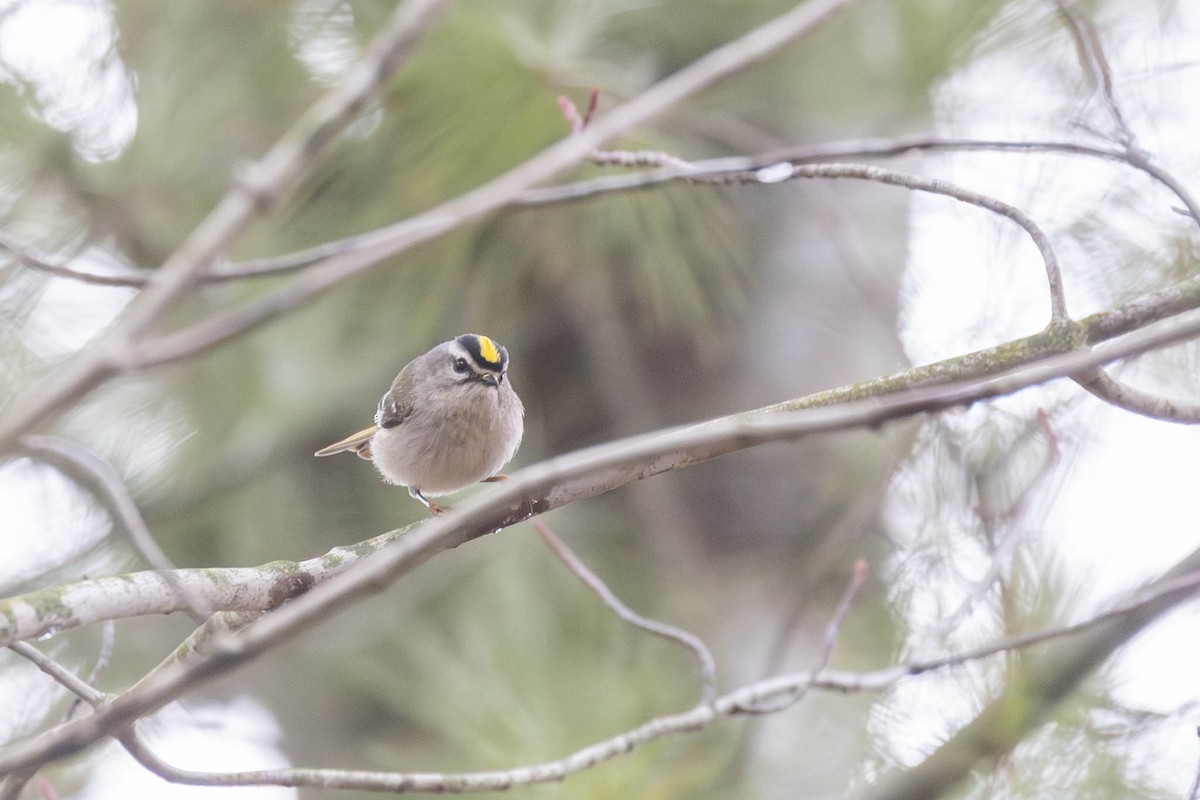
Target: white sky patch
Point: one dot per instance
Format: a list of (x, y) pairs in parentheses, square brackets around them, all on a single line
[(62, 52), (223, 737), (1122, 509), (323, 38), (47, 521), (69, 313)]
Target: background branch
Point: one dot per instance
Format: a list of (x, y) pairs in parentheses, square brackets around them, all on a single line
[(704, 658), (495, 194), (257, 190)]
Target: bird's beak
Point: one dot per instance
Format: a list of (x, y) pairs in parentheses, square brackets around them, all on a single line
[(490, 379)]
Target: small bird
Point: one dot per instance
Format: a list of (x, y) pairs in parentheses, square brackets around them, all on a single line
[(451, 419)]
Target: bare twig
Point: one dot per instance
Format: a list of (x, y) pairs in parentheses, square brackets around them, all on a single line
[(1179, 585), (704, 657), (58, 672), (101, 479), (784, 171), (615, 158), (35, 259), (11, 787), (108, 641), (38, 260)]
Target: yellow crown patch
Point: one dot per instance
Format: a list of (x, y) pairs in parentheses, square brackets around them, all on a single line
[(487, 349)]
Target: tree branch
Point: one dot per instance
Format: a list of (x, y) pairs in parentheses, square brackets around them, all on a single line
[(1093, 60), (263, 588), (553, 483)]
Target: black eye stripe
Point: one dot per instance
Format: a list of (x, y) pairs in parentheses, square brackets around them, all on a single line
[(486, 354)]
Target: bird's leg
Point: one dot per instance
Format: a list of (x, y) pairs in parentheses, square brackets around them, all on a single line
[(433, 507)]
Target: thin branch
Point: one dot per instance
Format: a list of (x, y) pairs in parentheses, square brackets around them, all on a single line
[(1092, 58), (1122, 395), (108, 641), (708, 170), (224, 272), (553, 483), (1181, 586), (704, 657), (858, 579), (58, 672), (11, 787), (36, 259), (777, 173), (259, 188), (101, 479)]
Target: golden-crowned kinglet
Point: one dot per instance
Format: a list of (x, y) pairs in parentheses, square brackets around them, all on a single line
[(449, 420)]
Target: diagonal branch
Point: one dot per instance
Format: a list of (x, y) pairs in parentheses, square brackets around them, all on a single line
[(258, 189), (1044, 680), (263, 588)]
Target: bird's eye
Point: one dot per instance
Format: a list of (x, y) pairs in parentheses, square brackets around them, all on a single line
[(460, 365)]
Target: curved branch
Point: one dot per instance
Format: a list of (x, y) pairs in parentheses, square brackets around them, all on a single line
[(1130, 398), (1058, 303), (704, 656)]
